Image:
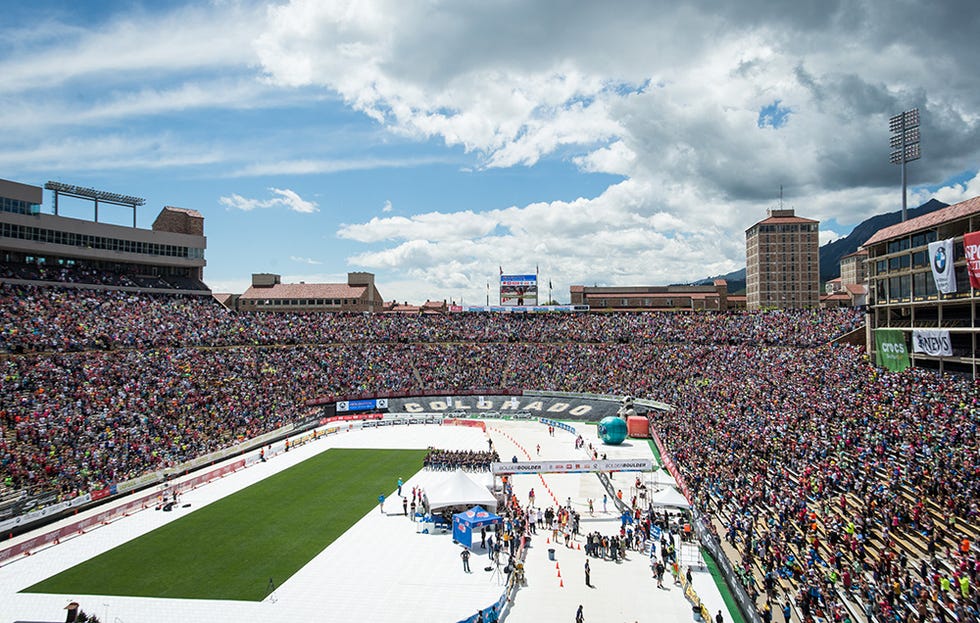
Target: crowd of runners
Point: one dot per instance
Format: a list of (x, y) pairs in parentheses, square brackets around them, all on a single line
[(451, 460)]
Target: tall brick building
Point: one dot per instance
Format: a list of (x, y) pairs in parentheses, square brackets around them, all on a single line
[(782, 263)]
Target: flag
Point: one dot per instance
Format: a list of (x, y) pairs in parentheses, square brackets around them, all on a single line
[(501, 270), (890, 349), (941, 259), (971, 251), (933, 342), (549, 284)]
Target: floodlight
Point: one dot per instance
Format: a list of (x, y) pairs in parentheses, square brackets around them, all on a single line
[(904, 143)]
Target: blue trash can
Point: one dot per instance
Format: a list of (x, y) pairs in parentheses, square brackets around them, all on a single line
[(551, 553)]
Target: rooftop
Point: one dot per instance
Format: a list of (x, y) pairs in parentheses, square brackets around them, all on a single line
[(304, 291), (954, 212)]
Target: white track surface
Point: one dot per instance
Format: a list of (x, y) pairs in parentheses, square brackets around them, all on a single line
[(381, 570)]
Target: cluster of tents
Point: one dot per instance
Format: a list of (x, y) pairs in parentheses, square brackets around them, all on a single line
[(459, 490)]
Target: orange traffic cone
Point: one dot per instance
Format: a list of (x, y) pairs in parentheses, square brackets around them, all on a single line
[(547, 541), (556, 565), (559, 573), (580, 546), (561, 584)]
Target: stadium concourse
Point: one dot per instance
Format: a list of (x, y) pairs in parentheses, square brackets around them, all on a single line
[(382, 568)]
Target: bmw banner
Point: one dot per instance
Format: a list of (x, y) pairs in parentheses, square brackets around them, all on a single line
[(933, 342), (941, 260)]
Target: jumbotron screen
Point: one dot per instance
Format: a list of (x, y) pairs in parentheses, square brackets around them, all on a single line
[(518, 289)]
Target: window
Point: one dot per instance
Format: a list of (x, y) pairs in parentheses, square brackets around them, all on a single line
[(923, 286), (923, 238)]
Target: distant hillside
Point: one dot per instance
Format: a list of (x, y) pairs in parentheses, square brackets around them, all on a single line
[(831, 252)]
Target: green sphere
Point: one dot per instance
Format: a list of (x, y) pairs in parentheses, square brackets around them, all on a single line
[(612, 430)]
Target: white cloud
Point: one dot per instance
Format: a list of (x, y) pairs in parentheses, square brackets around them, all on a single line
[(110, 152), (513, 84), (305, 260), (285, 198), (953, 194), (827, 235), (430, 226), (314, 167), (136, 44)]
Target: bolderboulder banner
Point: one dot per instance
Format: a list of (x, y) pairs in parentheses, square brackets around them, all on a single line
[(941, 260), (971, 251), (891, 351), (933, 342)]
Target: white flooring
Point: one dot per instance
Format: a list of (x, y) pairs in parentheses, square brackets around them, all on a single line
[(381, 569)]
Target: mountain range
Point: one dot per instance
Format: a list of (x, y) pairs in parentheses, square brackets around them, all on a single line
[(831, 252)]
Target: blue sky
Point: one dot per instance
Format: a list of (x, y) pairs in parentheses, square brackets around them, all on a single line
[(431, 143)]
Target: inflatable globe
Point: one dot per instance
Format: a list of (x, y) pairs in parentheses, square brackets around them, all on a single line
[(612, 430)]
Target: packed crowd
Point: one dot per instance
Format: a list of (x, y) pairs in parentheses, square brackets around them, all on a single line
[(77, 422), (451, 460), (839, 485), (36, 318), (79, 273)]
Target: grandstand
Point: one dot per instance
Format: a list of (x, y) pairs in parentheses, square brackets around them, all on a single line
[(841, 489), (40, 247)]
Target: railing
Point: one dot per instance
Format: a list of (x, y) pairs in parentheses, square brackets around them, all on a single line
[(708, 540)]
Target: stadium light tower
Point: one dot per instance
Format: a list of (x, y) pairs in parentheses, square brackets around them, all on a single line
[(904, 144)]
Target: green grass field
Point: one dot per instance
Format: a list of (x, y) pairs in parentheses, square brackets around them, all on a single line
[(230, 548)]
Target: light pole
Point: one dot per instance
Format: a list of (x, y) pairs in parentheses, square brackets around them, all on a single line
[(904, 143)]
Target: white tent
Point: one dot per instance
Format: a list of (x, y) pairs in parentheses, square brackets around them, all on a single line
[(459, 489), (669, 497)]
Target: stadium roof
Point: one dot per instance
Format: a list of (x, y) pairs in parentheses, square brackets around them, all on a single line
[(954, 212), (305, 291)]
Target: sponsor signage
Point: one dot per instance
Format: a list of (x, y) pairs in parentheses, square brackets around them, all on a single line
[(362, 405), (941, 260), (891, 351), (933, 342), (572, 467), (558, 424), (499, 405), (971, 251)]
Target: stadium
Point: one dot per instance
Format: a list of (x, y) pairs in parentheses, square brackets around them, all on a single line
[(164, 458)]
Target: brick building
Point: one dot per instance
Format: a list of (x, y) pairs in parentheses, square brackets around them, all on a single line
[(268, 293), (646, 298), (782, 262)]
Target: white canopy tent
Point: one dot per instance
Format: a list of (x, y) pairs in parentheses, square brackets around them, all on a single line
[(459, 489), (670, 497)]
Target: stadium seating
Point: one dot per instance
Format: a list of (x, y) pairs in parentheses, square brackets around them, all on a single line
[(807, 460)]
